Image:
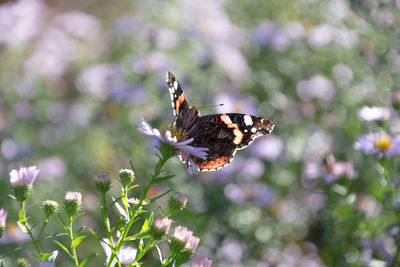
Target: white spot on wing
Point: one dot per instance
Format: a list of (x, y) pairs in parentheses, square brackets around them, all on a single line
[(247, 120), (253, 130)]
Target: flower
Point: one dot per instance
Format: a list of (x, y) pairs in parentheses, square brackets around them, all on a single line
[(375, 113), (380, 144), (49, 207), (3, 218), (199, 261), (180, 238), (177, 202), (192, 243), (22, 180), (72, 203), (126, 176), (102, 182), (160, 227), (125, 255), (184, 149), (23, 177)]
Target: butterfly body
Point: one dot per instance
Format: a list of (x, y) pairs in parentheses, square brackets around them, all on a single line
[(223, 134)]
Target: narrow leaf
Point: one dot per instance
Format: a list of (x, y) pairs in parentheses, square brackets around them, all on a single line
[(163, 179), (77, 216), (157, 197), (133, 186), (77, 241), (53, 256), (63, 247), (112, 203), (159, 253), (145, 227), (87, 259), (77, 232)]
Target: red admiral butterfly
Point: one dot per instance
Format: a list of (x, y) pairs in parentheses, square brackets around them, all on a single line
[(223, 134)]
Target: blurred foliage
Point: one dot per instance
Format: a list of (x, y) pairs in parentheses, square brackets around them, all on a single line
[(76, 78)]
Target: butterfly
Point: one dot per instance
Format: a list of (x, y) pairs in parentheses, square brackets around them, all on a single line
[(223, 134)]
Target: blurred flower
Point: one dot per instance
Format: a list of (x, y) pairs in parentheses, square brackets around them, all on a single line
[(102, 182), (343, 75), (3, 218), (49, 207), (231, 250), (380, 144), (9, 149), (199, 261), (235, 103), (321, 35), (125, 255), (183, 148), (368, 205), (335, 169), (160, 227), (132, 201), (317, 86), (274, 144), (255, 193), (396, 100), (153, 62), (20, 20), (72, 203), (52, 168), (126, 176), (375, 113), (177, 202)]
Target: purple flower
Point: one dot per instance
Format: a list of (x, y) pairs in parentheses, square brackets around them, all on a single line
[(183, 147), (73, 196), (199, 261), (192, 243), (125, 255), (23, 177), (375, 113), (340, 169), (161, 225), (380, 144), (182, 234), (3, 218)]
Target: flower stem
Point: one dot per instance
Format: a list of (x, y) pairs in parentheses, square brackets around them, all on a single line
[(104, 211), (24, 221), (146, 189), (71, 239)]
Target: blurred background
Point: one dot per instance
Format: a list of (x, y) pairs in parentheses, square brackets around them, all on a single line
[(77, 76)]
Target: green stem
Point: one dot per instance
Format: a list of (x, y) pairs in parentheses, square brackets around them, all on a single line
[(107, 221), (24, 222), (146, 189), (138, 257), (43, 226), (71, 239)]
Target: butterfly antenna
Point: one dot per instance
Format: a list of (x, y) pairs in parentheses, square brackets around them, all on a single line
[(212, 106)]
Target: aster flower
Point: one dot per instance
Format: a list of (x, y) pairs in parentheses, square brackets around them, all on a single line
[(380, 144), (160, 227), (180, 238), (24, 176), (102, 182), (335, 169), (22, 180), (199, 261), (375, 113), (125, 255), (72, 203), (177, 142)]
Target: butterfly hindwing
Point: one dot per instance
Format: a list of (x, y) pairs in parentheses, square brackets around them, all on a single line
[(178, 99), (224, 134)]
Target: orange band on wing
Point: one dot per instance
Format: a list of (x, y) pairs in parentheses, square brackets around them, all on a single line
[(215, 164), (181, 99), (238, 134)]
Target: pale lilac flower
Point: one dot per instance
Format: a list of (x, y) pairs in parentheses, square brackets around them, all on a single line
[(199, 261), (73, 196), (375, 113), (177, 202), (317, 86), (3, 218), (125, 255), (380, 144), (340, 169), (161, 225), (183, 147), (23, 177), (182, 234), (192, 243)]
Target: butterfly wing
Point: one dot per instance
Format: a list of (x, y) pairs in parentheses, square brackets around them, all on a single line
[(178, 99), (224, 134)]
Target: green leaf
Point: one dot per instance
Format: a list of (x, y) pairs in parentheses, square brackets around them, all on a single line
[(77, 241), (62, 221), (159, 196), (132, 187), (163, 179), (63, 247), (112, 203), (52, 236), (77, 216), (50, 257), (159, 253), (94, 234), (23, 227), (77, 232), (145, 227), (87, 259)]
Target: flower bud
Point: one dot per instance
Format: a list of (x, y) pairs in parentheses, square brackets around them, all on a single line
[(49, 207), (177, 202), (3, 218), (22, 180), (160, 227), (22, 262), (126, 176), (72, 203), (102, 182)]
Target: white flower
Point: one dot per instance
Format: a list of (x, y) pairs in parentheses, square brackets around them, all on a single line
[(186, 151), (375, 113), (24, 176), (125, 255)]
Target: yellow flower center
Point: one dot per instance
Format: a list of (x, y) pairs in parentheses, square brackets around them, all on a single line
[(383, 143), (177, 132)]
